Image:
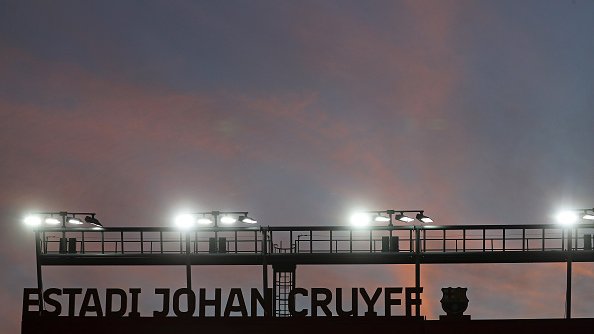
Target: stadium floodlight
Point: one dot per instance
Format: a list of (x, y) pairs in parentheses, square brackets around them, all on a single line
[(93, 221), (570, 217), (567, 217), (74, 221), (60, 218), (587, 215), (422, 218), (32, 220), (381, 219), (247, 220), (184, 221), (53, 221), (228, 219), (363, 218), (403, 218), (223, 217), (204, 221), (360, 219)]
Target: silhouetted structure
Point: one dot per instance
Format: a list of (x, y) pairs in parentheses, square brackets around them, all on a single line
[(330, 245)]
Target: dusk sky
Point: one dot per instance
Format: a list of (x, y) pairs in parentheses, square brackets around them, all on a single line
[(479, 112)]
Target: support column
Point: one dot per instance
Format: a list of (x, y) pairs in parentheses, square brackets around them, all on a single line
[(188, 263), (418, 270), (38, 242), (568, 288), (265, 267)]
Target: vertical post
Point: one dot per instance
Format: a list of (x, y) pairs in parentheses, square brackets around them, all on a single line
[(181, 242), (265, 266), (161, 241), (484, 239), (568, 289), (390, 215), (39, 278), (350, 240), (424, 240), (188, 263), (418, 269), (215, 215), (63, 214)]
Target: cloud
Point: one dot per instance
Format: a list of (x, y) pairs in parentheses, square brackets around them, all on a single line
[(300, 114)]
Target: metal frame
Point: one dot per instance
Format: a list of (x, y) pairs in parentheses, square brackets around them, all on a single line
[(417, 244)]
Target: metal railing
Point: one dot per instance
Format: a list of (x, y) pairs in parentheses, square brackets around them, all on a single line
[(315, 239), (150, 241)]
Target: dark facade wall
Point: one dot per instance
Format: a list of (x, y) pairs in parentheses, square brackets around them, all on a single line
[(146, 325)]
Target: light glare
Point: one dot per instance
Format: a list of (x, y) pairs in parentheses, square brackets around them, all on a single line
[(588, 216), (74, 221), (204, 221), (360, 219), (381, 219), (228, 220), (32, 220), (403, 218), (566, 218), (52, 221), (184, 221), (249, 220)]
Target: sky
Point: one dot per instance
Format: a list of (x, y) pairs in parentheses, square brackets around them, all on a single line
[(479, 112)]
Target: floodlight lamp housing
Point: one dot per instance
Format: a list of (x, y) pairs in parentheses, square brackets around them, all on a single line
[(52, 221), (32, 220), (422, 218), (247, 220), (403, 218), (228, 219), (382, 219), (93, 221), (74, 221), (204, 221), (587, 215)]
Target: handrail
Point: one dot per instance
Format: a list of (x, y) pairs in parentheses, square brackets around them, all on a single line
[(318, 228), (315, 239)]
